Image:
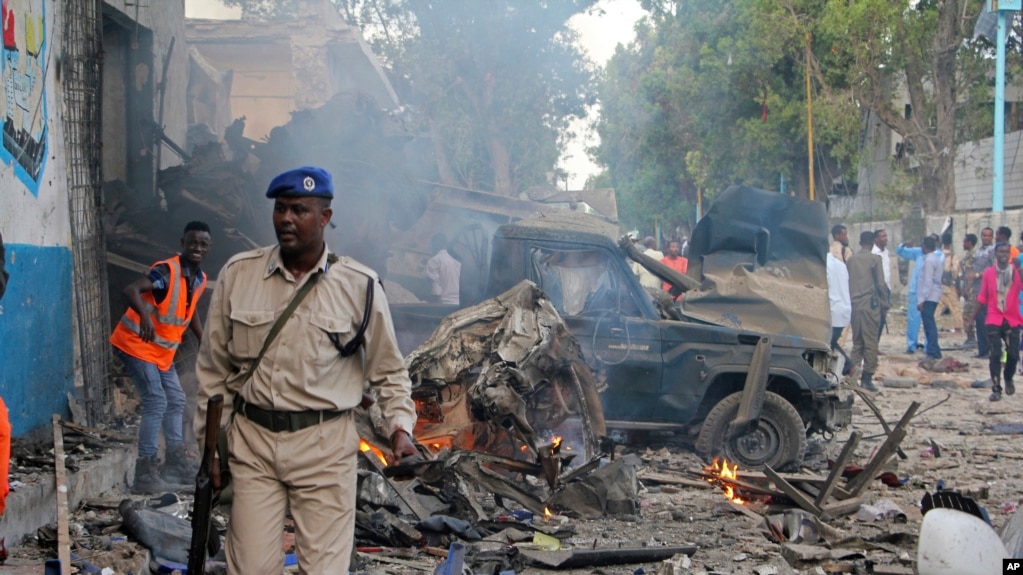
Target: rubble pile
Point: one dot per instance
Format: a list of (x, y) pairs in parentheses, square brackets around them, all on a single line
[(221, 181), (664, 510)]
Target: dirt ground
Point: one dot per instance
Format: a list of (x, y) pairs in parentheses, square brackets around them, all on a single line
[(972, 458)]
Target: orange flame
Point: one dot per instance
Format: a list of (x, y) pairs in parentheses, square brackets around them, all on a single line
[(723, 471), (365, 446), (547, 513), (556, 441)]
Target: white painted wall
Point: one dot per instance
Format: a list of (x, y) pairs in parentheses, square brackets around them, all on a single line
[(25, 217)]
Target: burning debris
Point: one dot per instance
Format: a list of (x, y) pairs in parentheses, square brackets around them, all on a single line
[(501, 376)]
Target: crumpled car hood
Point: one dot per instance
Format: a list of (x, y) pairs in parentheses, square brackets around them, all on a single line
[(760, 258)]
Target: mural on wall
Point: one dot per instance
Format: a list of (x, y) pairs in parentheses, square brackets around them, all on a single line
[(22, 100)]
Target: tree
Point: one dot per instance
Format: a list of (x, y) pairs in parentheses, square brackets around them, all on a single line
[(876, 49), (708, 96), (493, 83)]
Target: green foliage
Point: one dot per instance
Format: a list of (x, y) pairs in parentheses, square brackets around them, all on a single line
[(683, 108), (700, 74)]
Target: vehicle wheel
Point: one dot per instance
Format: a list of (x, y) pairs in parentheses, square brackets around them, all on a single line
[(778, 441)]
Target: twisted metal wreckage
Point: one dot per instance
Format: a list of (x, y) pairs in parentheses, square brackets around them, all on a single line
[(502, 389)]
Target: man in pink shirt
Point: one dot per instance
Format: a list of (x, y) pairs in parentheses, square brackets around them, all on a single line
[(1000, 288)]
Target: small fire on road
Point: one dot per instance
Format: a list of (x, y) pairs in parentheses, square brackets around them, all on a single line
[(724, 475)]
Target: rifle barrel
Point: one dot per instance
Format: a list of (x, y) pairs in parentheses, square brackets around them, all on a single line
[(203, 506)]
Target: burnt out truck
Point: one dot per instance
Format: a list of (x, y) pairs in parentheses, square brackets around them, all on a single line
[(739, 360)]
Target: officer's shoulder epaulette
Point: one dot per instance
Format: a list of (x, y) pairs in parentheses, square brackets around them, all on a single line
[(356, 266), (248, 255)]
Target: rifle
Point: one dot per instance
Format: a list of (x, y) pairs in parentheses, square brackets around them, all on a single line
[(204, 496)]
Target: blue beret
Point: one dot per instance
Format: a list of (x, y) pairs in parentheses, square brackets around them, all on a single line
[(306, 181)]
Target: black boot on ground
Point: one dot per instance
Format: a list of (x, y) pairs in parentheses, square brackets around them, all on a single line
[(147, 477), (867, 382), (178, 466), (996, 390), (1010, 389)]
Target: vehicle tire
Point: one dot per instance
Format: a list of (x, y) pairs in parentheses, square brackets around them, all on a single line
[(779, 440)]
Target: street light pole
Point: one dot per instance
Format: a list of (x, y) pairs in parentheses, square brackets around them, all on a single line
[(998, 191), (1001, 8)]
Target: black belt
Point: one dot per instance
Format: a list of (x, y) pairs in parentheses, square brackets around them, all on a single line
[(277, 421)]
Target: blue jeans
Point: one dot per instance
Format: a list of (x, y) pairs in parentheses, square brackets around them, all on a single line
[(931, 329), (163, 402), (912, 322)]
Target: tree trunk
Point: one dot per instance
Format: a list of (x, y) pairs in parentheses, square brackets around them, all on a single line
[(444, 172), (945, 180), (946, 41), (501, 162)]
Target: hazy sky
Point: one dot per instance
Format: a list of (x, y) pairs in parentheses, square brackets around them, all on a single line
[(599, 34)]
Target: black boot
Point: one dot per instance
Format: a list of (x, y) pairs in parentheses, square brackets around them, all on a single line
[(996, 390), (178, 466), (867, 381), (1009, 387), (147, 477)]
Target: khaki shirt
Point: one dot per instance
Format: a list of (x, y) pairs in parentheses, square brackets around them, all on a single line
[(866, 278), (301, 370)]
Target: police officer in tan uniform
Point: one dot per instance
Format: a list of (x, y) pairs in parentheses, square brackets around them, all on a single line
[(292, 440), (870, 296)]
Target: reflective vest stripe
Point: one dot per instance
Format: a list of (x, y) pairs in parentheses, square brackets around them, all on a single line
[(170, 320), (134, 328), (174, 295)]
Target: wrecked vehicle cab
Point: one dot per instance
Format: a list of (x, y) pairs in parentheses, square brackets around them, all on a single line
[(740, 361)]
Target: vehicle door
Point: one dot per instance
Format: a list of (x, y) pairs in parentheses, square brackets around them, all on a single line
[(597, 302)]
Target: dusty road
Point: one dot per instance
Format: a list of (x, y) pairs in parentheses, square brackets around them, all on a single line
[(972, 459)]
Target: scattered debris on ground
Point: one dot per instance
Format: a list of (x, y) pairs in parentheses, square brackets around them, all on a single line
[(668, 512)]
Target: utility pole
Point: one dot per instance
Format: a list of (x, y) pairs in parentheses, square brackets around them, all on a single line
[(809, 115), (1002, 8)]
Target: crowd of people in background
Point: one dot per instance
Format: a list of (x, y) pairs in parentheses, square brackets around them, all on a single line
[(860, 295), (673, 259), (980, 290)]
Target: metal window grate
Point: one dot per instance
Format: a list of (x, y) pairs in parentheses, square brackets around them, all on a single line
[(81, 74)]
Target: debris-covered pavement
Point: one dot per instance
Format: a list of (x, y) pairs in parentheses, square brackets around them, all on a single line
[(673, 521)]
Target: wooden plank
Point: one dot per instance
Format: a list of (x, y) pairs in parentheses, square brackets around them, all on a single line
[(63, 533), (996, 454), (884, 423), (843, 508), (747, 512), (794, 493), (670, 479), (884, 453), (836, 471), (96, 433), (759, 476), (409, 499)]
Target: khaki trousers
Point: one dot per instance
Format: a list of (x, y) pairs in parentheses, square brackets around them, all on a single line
[(866, 329), (950, 301), (314, 471)]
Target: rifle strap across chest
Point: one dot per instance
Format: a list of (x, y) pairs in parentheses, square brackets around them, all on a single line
[(349, 349)]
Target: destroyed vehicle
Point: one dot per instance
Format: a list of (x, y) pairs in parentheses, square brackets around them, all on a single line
[(740, 362)]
